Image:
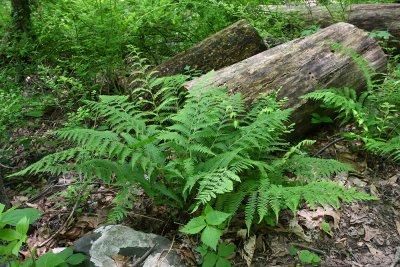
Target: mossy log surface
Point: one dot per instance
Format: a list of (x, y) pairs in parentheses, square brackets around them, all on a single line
[(301, 66), (369, 17), (226, 47)]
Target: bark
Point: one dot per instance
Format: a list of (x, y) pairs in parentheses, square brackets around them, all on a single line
[(226, 47), (301, 66), (21, 13), (369, 17), (3, 195)]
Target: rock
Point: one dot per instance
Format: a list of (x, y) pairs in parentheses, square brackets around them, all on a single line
[(109, 241)]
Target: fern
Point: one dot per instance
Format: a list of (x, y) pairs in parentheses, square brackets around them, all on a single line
[(344, 101), (390, 148), (123, 201), (211, 150)]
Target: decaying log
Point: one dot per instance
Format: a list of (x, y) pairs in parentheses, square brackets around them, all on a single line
[(369, 17), (301, 66), (226, 47)]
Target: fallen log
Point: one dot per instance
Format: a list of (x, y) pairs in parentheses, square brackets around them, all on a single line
[(369, 17), (226, 47), (301, 66)]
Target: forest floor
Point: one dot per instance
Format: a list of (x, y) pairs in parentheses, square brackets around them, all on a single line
[(362, 234)]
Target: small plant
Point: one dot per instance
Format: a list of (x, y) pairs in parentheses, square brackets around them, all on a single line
[(308, 257), (78, 118), (305, 256), (217, 258), (316, 118), (14, 225), (10, 110), (326, 227), (310, 30), (209, 224)]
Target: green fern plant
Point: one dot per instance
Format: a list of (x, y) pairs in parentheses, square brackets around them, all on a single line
[(213, 151), (210, 151)]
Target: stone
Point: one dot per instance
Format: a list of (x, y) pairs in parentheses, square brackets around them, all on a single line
[(106, 242)]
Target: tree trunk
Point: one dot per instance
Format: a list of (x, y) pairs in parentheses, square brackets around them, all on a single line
[(226, 47), (21, 13), (369, 17), (3, 195), (301, 66)]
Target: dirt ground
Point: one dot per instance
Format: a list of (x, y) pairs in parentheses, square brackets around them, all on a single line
[(363, 233)]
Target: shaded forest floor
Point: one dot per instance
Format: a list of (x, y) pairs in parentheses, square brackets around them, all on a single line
[(363, 233)]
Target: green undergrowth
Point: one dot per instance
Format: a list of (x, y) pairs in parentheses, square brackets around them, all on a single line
[(374, 113)]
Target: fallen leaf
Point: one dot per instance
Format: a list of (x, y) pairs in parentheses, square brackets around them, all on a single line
[(313, 219), (374, 190), (370, 233), (242, 233), (121, 261), (341, 243), (375, 252), (18, 200), (393, 179), (296, 229), (58, 249), (260, 244), (279, 248), (248, 250), (398, 227), (31, 205)]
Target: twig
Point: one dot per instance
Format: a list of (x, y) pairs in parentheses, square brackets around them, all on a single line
[(169, 250), (145, 255), (327, 146), (309, 248), (396, 258), (7, 167), (65, 224), (350, 251), (40, 195), (145, 216)]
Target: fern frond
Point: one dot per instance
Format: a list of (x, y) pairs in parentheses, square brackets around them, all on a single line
[(342, 100), (119, 114), (314, 168), (123, 201), (214, 183), (55, 163), (263, 132), (390, 148), (117, 213), (250, 210)]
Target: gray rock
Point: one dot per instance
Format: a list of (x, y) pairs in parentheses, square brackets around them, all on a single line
[(107, 241)]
